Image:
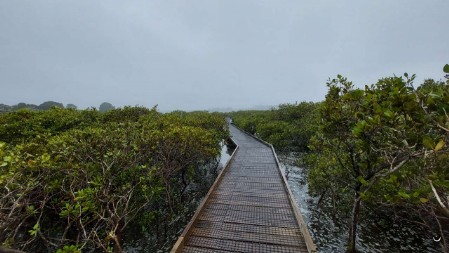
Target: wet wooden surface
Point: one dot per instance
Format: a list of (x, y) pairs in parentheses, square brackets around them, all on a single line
[(249, 209)]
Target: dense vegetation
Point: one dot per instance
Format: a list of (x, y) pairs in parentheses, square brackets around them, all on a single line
[(288, 127), (378, 149), (83, 180), (385, 145)]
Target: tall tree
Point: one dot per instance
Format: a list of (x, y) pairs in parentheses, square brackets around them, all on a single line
[(49, 104), (369, 137), (71, 106), (105, 106), (24, 106)]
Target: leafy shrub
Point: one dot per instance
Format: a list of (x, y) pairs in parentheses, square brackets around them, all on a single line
[(72, 181)]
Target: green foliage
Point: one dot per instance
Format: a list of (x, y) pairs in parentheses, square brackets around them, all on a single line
[(78, 180), (381, 144), (249, 120), (34, 230), (288, 128), (446, 68), (71, 106), (127, 114), (26, 106), (49, 104), (23, 125), (69, 249)]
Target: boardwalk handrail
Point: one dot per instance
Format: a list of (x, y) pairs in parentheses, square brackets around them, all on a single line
[(302, 225), (179, 245), (311, 248)]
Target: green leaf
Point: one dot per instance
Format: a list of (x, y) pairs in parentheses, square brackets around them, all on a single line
[(359, 128), (423, 200), (393, 178), (428, 142), (434, 95), (45, 157), (362, 180), (363, 195), (31, 209), (35, 229), (388, 113), (403, 194), (69, 249), (439, 146)]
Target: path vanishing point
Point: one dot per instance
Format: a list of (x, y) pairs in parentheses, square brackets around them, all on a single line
[(249, 208)]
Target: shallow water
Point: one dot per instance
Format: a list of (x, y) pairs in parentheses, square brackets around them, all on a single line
[(225, 154), (329, 234)]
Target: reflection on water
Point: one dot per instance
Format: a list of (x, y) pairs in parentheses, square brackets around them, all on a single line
[(329, 233), (226, 152)]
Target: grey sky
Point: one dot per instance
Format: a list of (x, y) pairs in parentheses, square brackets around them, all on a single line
[(203, 54)]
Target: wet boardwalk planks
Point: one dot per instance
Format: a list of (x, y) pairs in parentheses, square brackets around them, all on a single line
[(249, 208)]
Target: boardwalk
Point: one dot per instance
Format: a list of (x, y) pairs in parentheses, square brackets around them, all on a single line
[(248, 209)]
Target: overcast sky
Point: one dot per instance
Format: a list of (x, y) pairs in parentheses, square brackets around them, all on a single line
[(211, 54)]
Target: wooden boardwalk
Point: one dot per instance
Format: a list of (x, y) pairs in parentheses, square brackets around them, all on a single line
[(249, 208)]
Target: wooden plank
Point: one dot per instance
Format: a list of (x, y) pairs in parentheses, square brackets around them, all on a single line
[(305, 231), (239, 246), (311, 247), (249, 228), (249, 208), (181, 240), (248, 237)]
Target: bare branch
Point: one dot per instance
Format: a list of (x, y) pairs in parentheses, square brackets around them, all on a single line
[(445, 208)]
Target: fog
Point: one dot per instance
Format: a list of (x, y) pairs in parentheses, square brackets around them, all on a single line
[(195, 55)]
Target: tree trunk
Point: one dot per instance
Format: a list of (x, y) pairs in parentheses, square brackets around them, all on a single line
[(117, 246), (353, 224), (118, 238)]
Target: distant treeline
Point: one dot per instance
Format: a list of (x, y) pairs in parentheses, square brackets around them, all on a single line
[(105, 106)]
